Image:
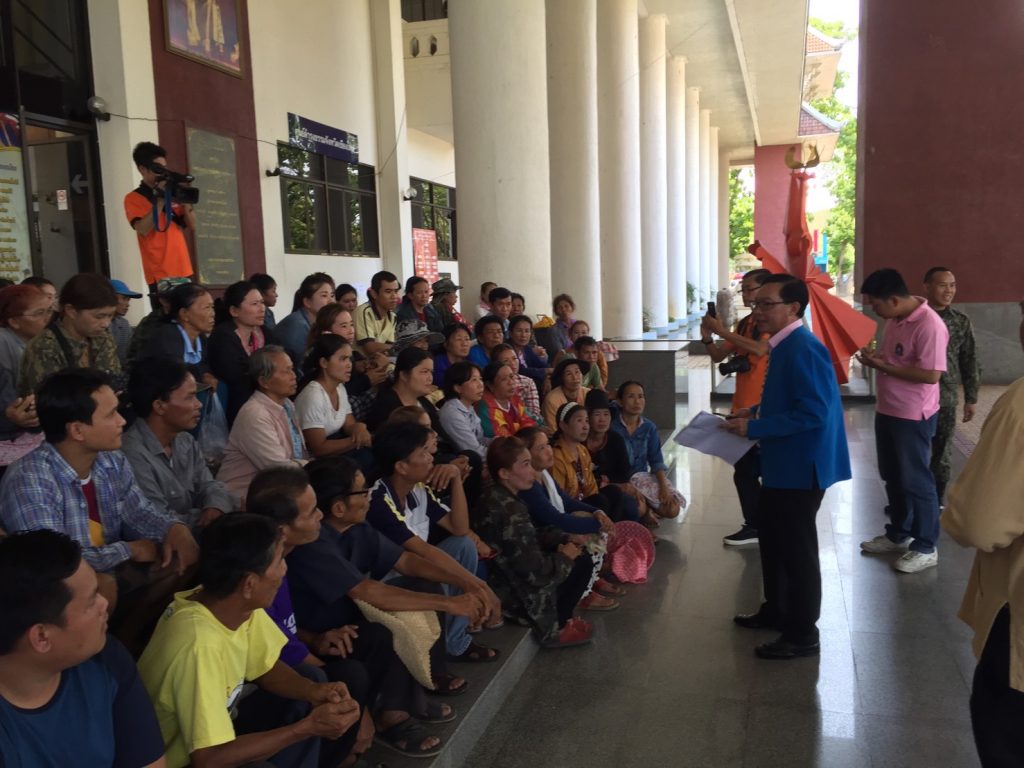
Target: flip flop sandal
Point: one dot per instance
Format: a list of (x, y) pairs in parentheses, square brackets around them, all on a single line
[(435, 713), (444, 686), (496, 625), (477, 654), (412, 734)]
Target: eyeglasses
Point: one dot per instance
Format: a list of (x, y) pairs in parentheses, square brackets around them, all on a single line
[(39, 313), (765, 304)]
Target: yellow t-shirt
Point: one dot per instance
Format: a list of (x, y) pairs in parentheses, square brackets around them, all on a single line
[(194, 668)]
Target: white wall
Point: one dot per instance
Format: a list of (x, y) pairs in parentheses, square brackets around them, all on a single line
[(122, 62), (431, 158), (323, 71)]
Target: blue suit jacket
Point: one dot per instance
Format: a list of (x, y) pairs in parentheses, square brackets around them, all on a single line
[(800, 418)]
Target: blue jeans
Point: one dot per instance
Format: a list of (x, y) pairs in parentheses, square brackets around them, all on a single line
[(904, 456), (463, 551)]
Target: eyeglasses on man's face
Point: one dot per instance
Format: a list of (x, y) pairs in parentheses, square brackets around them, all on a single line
[(766, 304)]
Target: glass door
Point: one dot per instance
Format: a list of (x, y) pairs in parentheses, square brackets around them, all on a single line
[(63, 204)]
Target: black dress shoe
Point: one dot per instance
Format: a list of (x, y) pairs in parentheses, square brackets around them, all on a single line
[(784, 650), (755, 621)]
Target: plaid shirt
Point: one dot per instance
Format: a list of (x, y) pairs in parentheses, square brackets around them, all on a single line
[(41, 490)]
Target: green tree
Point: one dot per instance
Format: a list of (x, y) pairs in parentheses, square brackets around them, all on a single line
[(741, 216), (841, 224)]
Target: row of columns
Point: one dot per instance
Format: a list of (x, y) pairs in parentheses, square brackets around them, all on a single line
[(584, 160)]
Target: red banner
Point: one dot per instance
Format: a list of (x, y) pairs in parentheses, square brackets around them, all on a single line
[(424, 254)]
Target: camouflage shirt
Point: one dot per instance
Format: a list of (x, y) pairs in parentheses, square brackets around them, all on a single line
[(526, 573), (961, 360), (45, 355)]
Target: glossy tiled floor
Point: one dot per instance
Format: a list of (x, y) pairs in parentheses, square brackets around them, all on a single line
[(670, 681)]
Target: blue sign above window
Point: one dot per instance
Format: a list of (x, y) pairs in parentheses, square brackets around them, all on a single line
[(322, 139)]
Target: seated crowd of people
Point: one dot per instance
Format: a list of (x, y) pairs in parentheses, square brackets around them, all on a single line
[(295, 529)]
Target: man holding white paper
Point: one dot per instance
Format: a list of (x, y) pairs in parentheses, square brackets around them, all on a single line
[(799, 424)]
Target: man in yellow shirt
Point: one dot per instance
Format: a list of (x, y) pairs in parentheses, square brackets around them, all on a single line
[(214, 639)]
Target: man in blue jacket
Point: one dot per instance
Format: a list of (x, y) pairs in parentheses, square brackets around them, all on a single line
[(799, 424)]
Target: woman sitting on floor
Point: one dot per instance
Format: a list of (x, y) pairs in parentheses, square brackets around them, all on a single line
[(332, 318), (322, 407), (610, 454), (463, 389), (539, 576), (501, 412), (646, 460), (533, 360), (630, 546), (526, 389), (567, 387), (457, 342), (573, 469)]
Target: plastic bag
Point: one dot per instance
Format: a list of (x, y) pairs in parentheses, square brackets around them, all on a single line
[(213, 431)]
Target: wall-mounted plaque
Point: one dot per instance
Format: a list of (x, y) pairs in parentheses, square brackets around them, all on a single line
[(218, 237)]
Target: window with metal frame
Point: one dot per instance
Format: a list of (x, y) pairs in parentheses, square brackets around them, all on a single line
[(434, 208), (329, 206)]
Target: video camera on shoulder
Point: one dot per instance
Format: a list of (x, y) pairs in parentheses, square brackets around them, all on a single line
[(177, 183)]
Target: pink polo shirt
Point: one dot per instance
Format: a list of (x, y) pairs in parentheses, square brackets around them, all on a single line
[(917, 341)]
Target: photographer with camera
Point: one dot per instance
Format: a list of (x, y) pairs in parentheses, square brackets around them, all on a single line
[(747, 350), (159, 211)]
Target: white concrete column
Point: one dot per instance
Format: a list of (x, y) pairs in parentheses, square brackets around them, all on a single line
[(653, 170), (724, 273), (716, 265), (705, 207), (123, 74), (394, 213), (572, 137), (693, 194), (618, 125), (500, 110), (676, 139)]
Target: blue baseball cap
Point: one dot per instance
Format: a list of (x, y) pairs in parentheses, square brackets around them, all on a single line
[(123, 290)]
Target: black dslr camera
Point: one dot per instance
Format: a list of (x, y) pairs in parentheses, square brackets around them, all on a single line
[(177, 184), (735, 364)]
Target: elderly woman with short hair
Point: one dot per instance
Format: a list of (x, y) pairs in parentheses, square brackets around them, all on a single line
[(265, 432)]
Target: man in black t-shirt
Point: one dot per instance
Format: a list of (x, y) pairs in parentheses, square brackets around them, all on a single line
[(59, 672)]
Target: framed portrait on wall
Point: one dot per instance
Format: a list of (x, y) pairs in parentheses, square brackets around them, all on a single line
[(206, 31)]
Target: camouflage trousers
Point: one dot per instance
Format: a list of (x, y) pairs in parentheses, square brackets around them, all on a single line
[(942, 448)]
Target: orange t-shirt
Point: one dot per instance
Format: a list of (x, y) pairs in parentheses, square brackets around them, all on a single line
[(164, 253), (750, 384)]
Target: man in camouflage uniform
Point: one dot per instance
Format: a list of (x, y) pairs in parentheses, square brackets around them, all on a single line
[(961, 368)]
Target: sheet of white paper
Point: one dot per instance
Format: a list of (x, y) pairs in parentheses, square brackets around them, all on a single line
[(705, 434)]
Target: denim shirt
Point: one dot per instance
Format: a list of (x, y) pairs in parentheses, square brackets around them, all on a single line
[(644, 446)]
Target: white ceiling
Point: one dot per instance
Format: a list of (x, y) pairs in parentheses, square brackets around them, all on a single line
[(747, 57)]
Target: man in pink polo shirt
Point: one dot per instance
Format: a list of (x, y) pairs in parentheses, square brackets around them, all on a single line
[(910, 363)]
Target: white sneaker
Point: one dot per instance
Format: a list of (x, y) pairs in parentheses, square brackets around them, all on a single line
[(912, 562), (881, 545)]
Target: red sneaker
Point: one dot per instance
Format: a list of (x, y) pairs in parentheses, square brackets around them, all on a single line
[(573, 633), (595, 601)]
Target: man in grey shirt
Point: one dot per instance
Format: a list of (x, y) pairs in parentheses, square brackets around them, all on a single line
[(168, 464)]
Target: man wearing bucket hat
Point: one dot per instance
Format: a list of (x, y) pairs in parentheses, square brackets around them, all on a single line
[(146, 327), (445, 297), (120, 328)]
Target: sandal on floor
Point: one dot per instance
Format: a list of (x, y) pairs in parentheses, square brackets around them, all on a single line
[(412, 734), (496, 625), (435, 713), (477, 653), (444, 687), (595, 601), (608, 589)]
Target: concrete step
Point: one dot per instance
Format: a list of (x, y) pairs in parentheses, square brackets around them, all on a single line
[(489, 686)]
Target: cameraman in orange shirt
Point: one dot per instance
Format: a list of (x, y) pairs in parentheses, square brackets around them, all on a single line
[(162, 243), (749, 349)]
